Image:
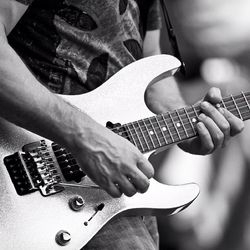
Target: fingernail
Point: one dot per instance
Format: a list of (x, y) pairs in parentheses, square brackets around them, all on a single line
[(199, 125), (204, 105), (202, 117)]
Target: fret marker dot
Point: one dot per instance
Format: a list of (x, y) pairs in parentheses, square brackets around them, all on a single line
[(164, 128), (178, 124), (217, 105), (194, 120), (151, 132)]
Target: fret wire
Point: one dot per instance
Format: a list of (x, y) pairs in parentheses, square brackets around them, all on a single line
[(236, 107), (133, 126), (150, 137), (228, 107), (241, 98), (245, 114), (137, 122), (143, 135), (190, 121), (195, 112), (154, 131), (223, 103), (245, 100), (166, 124), (170, 134), (126, 126), (159, 125), (182, 123), (195, 134), (245, 95), (231, 107), (131, 134), (174, 125)]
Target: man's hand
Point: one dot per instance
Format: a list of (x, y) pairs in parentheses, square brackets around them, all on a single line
[(111, 161), (215, 126)]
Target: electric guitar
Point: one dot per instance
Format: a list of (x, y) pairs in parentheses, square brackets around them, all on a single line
[(47, 202)]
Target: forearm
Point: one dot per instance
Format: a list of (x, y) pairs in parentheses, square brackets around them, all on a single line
[(164, 96), (25, 102)]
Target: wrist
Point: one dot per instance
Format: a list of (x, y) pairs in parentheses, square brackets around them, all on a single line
[(78, 130)]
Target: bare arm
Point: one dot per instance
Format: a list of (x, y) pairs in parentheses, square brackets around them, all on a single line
[(165, 88), (107, 158)]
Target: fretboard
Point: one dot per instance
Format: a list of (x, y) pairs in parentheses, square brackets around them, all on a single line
[(179, 125)]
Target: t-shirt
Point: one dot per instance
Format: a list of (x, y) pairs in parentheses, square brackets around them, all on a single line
[(73, 46)]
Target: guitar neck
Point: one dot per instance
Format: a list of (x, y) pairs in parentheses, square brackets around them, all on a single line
[(173, 127), (164, 129)]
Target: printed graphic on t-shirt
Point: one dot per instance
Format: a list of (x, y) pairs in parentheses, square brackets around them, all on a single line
[(73, 46)]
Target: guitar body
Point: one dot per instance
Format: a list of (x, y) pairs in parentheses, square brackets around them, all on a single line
[(33, 221)]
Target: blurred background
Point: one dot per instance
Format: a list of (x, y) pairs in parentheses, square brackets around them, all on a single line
[(214, 41)]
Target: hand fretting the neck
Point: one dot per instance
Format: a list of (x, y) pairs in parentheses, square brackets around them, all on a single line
[(173, 127)]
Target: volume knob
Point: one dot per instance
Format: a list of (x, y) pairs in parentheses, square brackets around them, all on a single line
[(76, 203), (63, 237)]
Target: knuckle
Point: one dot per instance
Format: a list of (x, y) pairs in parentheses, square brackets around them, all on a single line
[(130, 192), (219, 137), (241, 126), (208, 148), (146, 168), (225, 127), (238, 129), (151, 172), (115, 193), (144, 187)]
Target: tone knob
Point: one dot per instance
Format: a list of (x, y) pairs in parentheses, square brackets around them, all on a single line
[(76, 203), (63, 237)]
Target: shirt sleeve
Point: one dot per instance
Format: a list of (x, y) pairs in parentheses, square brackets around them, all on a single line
[(154, 21), (25, 2)]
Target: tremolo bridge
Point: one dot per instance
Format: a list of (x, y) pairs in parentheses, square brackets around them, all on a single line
[(40, 166)]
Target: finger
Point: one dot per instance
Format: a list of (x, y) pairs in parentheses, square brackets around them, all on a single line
[(140, 181), (220, 121), (146, 168), (125, 186), (207, 145), (214, 131), (213, 95), (236, 124), (114, 190)]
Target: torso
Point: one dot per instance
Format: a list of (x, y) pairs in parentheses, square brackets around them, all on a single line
[(74, 46)]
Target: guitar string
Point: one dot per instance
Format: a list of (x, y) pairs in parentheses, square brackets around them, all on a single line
[(148, 148), (77, 185), (185, 115), (184, 120), (171, 127), (173, 133), (235, 106), (241, 97)]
